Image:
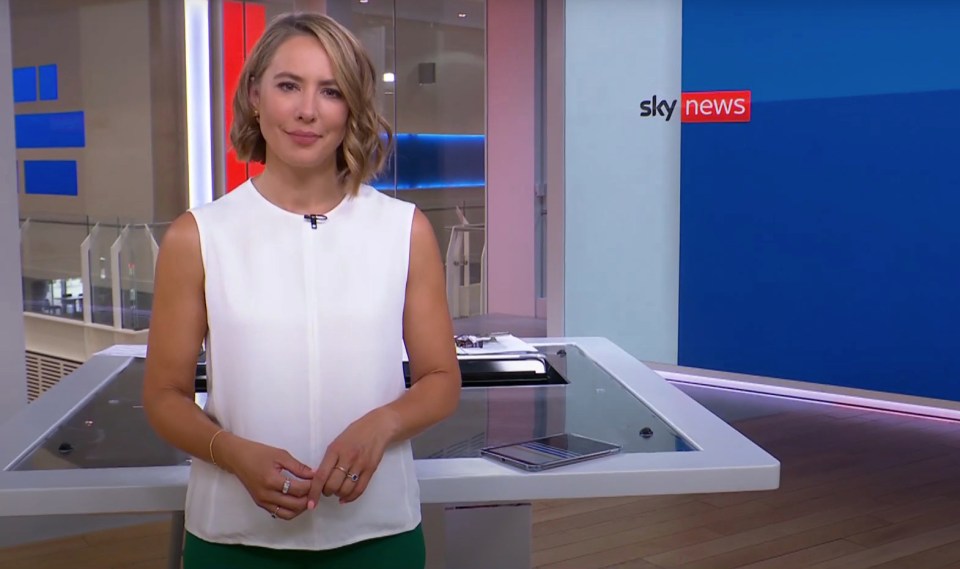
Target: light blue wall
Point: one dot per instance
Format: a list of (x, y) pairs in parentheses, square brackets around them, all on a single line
[(622, 177)]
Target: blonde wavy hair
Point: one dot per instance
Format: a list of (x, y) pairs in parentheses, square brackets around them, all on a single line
[(364, 151)]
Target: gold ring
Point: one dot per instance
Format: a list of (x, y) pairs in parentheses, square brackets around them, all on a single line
[(353, 477), (275, 512)]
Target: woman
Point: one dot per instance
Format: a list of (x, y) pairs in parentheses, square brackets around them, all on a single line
[(306, 284)]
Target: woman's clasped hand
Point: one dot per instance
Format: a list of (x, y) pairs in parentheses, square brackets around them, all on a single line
[(344, 472)]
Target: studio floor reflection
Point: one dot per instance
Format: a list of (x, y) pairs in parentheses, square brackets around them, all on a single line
[(859, 489)]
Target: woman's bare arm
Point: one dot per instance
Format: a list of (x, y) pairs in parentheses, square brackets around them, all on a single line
[(428, 335), (178, 324)]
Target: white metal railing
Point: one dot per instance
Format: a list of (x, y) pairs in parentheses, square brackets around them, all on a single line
[(464, 296)]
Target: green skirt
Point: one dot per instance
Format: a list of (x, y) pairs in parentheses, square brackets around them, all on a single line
[(402, 551)]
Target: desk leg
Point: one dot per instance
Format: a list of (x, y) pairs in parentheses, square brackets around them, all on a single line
[(176, 541), (435, 534), (478, 536)]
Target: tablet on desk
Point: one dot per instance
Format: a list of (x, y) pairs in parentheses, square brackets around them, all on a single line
[(549, 452)]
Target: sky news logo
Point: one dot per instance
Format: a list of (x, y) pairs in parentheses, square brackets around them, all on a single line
[(706, 106)]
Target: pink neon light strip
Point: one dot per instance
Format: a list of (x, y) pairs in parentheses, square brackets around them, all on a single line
[(853, 401)]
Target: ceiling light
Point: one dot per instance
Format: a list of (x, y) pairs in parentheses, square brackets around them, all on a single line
[(389, 78), (461, 15)]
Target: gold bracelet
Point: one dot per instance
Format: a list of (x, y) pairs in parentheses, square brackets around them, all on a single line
[(213, 438)]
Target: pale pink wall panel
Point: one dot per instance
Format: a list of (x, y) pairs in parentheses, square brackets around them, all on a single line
[(510, 157)]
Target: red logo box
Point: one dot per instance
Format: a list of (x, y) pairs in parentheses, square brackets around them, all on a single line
[(715, 106)]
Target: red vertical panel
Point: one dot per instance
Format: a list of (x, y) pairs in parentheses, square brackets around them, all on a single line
[(233, 55), (243, 24), (254, 169), (255, 24)]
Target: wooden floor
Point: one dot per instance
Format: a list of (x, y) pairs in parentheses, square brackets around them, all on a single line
[(859, 489)]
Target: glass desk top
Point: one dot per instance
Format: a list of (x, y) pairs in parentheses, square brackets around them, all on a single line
[(110, 429)]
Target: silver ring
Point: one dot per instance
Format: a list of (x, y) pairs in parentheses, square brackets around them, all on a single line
[(275, 512), (286, 486)]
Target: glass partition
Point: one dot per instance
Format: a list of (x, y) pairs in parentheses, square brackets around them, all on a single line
[(99, 282), (136, 249), (51, 266), (91, 273)]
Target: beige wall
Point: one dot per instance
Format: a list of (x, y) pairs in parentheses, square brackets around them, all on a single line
[(115, 82), (168, 107), (72, 340), (102, 50), (45, 32)]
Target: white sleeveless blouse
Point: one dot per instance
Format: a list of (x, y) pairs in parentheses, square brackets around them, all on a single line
[(305, 336)]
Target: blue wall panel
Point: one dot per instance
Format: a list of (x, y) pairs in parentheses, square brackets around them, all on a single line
[(50, 177), (819, 242), (50, 130), (24, 84), (49, 84)]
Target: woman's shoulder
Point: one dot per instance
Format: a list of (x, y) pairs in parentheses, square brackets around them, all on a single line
[(225, 203), (384, 201), (182, 238)]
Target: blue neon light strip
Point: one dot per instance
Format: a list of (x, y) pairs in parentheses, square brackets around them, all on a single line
[(439, 137), (50, 177), (49, 85), (24, 84), (385, 186), (432, 161), (50, 130)]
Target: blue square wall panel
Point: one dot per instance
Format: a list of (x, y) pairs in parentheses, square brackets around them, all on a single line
[(50, 177), (24, 84), (49, 86)]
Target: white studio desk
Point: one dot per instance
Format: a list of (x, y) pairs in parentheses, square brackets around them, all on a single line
[(84, 447)]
